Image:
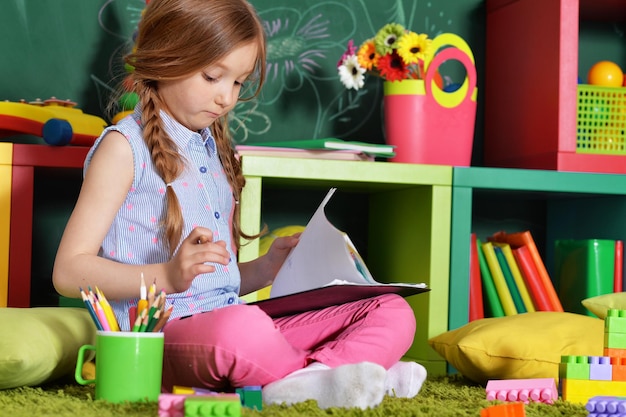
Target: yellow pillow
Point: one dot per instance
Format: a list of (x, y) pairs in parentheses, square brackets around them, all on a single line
[(523, 346), (600, 304), (40, 344)]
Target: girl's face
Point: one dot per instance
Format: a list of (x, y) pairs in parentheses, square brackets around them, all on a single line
[(199, 99)]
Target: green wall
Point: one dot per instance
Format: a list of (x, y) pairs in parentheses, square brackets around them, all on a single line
[(72, 49)]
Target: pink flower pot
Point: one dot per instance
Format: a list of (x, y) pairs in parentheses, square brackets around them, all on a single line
[(428, 125)]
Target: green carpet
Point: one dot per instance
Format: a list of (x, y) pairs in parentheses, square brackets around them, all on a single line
[(440, 397)]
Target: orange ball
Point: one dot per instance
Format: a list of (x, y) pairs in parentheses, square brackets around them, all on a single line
[(605, 73)]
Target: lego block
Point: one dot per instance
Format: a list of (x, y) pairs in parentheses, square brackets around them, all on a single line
[(221, 405), (615, 340), (615, 353), (580, 391), (619, 368), (171, 405), (504, 410), (177, 389), (607, 406), (574, 367), (600, 368), (525, 390), (251, 397), (615, 323)]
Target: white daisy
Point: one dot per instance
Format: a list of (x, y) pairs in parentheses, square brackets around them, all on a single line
[(351, 73)]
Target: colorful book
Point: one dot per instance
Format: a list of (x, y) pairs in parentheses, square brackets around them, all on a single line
[(533, 280), (526, 239), (476, 310), (493, 305), (504, 294), (517, 276), (510, 282), (618, 279), (386, 151)]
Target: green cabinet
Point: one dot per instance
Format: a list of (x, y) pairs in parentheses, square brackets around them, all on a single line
[(551, 204), (408, 225)]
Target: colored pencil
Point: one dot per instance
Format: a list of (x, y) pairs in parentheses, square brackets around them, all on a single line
[(143, 300), (91, 309), (108, 311)]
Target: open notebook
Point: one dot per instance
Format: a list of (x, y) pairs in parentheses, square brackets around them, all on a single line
[(325, 269)]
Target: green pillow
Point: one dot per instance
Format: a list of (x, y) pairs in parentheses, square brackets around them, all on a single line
[(600, 304), (40, 344), (523, 346)]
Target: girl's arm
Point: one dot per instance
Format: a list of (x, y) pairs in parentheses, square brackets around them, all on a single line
[(104, 189), (260, 272)]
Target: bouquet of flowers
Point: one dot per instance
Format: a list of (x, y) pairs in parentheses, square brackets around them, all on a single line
[(394, 54)]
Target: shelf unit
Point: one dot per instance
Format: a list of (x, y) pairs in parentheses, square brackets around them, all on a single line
[(408, 209), (552, 204), (27, 160), (531, 73)]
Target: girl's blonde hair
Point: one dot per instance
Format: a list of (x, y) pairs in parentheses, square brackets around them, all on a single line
[(175, 39)]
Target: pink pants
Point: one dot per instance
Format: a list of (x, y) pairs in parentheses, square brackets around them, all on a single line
[(240, 345)]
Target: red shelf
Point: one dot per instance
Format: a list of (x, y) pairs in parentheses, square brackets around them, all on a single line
[(25, 159), (530, 84)]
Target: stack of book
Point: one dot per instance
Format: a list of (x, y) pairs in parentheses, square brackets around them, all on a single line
[(508, 276), (329, 148)]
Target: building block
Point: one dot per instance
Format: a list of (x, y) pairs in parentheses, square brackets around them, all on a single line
[(222, 405), (6, 158), (600, 368), (614, 352), (606, 406), (580, 391), (251, 397), (615, 321), (615, 340), (171, 405), (607, 374), (574, 367), (504, 410), (525, 390), (619, 368), (177, 389)]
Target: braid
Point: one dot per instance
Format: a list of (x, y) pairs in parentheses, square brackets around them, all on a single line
[(166, 159)]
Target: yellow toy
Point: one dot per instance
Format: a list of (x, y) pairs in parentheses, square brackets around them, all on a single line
[(58, 122)]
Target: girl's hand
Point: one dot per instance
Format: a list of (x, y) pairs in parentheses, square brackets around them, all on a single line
[(261, 272), (278, 251), (197, 254)]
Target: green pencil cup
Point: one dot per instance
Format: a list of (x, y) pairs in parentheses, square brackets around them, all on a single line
[(129, 366)]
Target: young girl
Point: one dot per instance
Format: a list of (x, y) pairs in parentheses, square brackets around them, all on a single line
[(160, 198)]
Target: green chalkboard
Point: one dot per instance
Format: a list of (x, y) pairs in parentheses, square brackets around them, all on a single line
[(72, 49)]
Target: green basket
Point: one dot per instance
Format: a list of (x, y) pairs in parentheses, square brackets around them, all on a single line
[(601, 120)]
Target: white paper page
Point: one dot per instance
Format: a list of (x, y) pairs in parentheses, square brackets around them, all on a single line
[(320, 257)]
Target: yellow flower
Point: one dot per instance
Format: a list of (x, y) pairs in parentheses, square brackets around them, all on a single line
[(413, 47), (368, 58)]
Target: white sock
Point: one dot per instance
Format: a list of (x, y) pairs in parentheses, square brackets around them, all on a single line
[(359, 385), (405, 379)]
